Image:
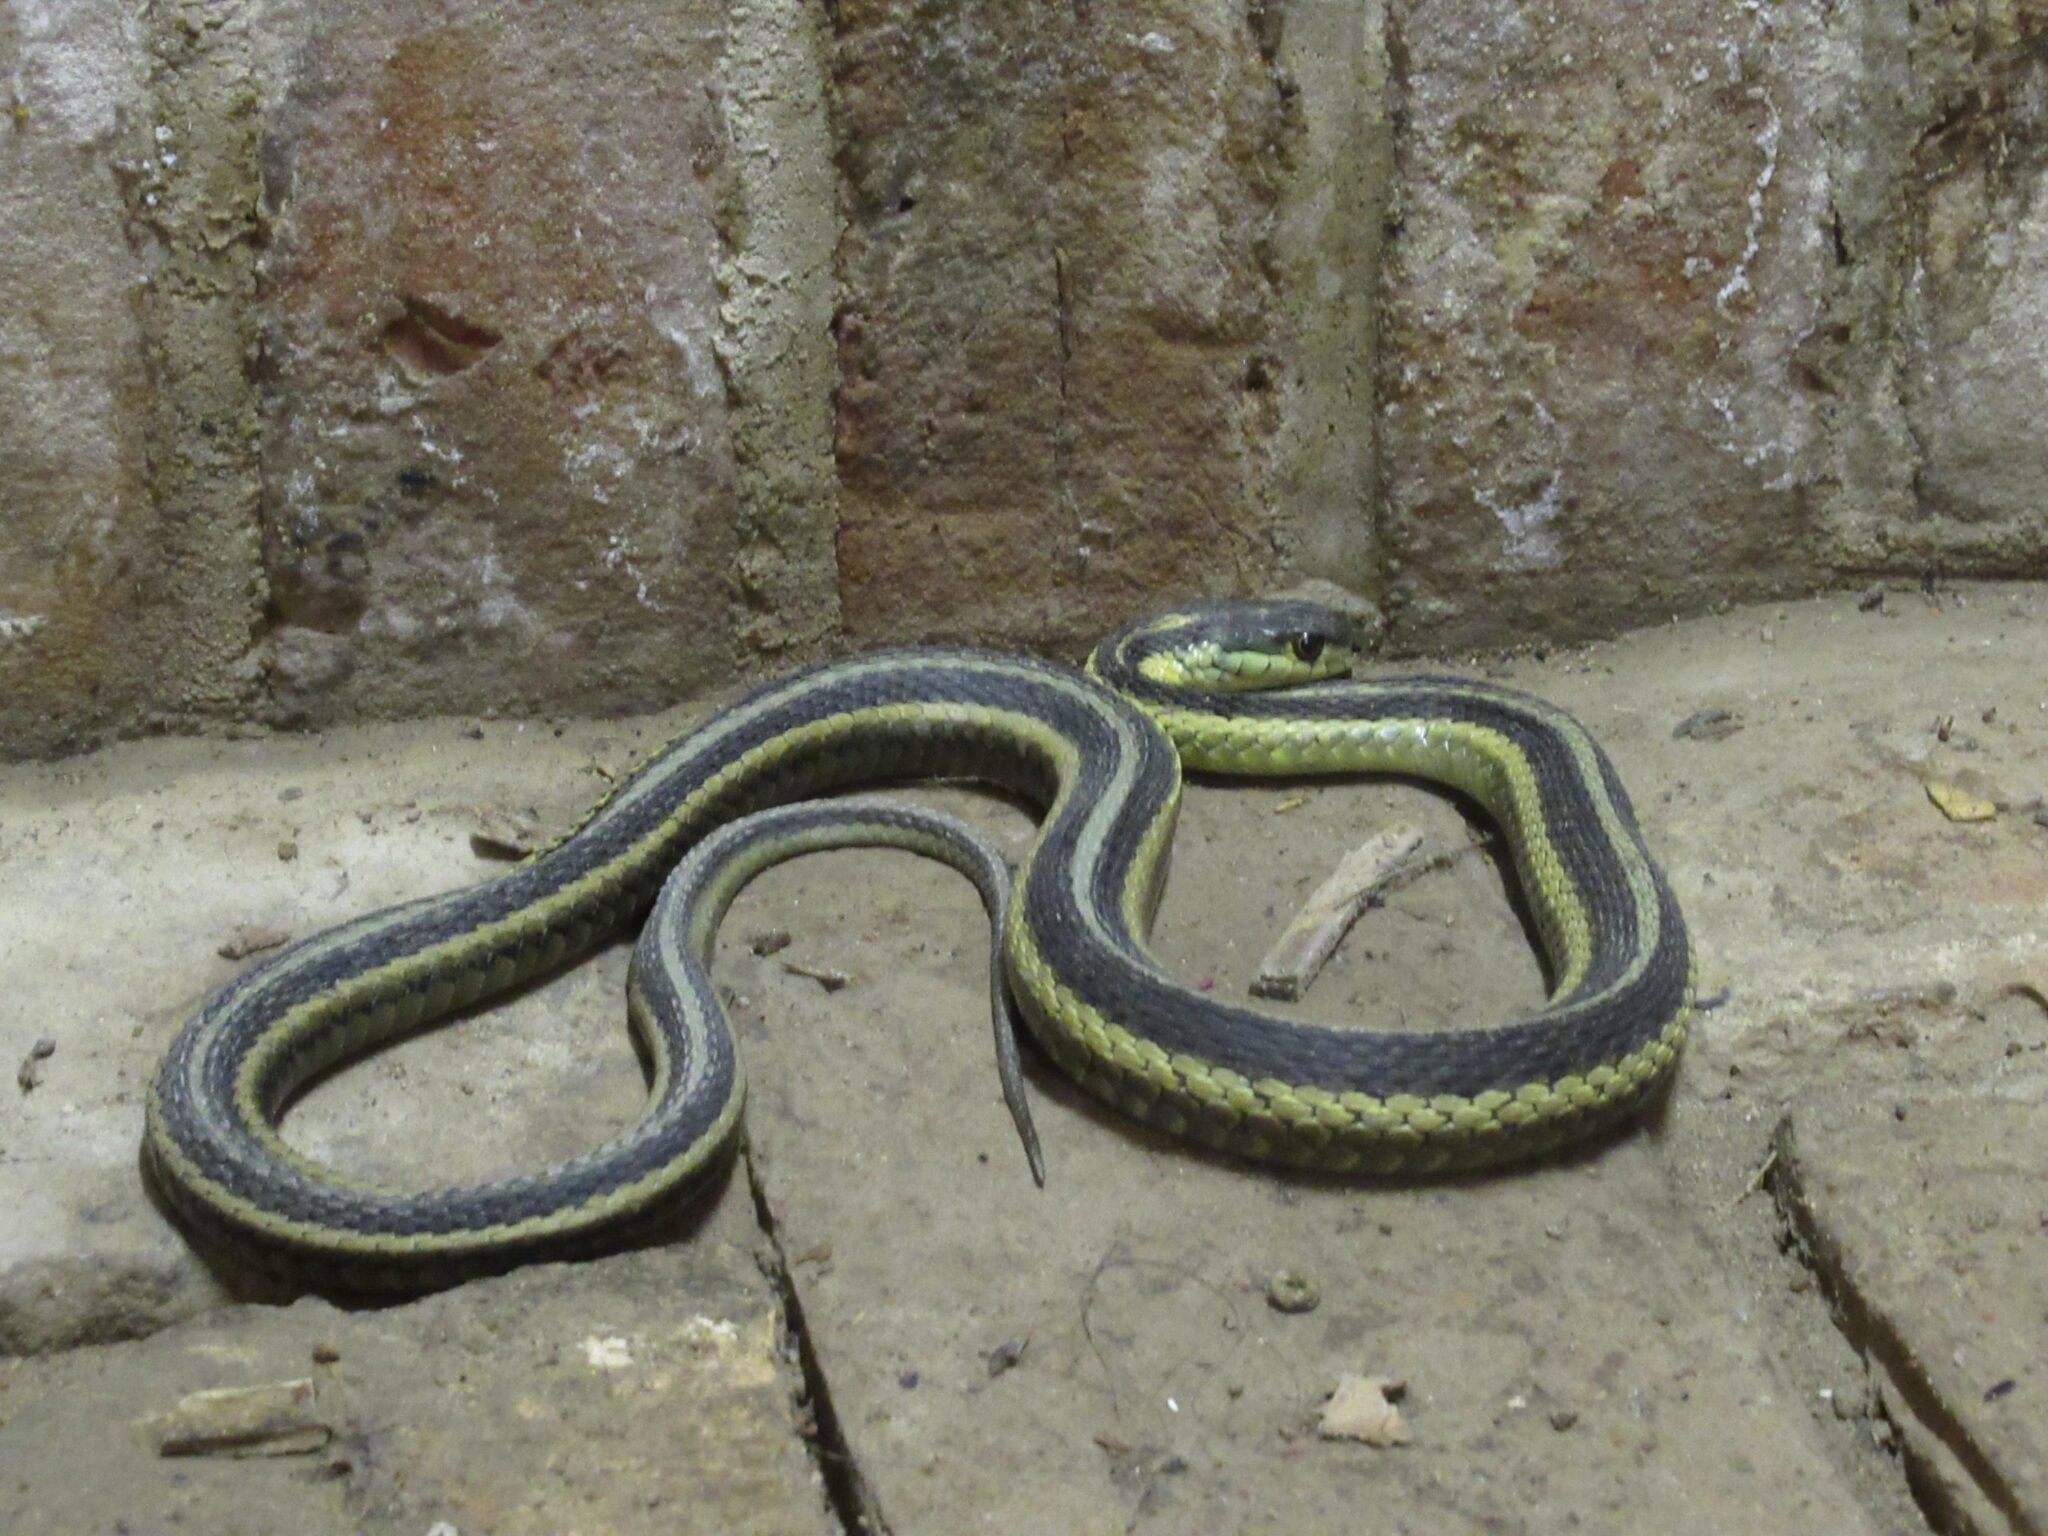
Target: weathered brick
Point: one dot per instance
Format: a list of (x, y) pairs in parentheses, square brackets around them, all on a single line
[(1055, 392), (497, 467), (1608, 243), (1972, 318), (74, 508)]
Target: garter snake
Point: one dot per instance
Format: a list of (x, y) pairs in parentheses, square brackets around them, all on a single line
[(1242, 688)]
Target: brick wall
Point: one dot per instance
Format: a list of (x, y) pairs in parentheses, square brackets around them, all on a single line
[(361, 359)]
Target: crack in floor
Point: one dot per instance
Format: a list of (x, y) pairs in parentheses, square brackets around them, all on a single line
[(1937, 1455), (848, 1495)]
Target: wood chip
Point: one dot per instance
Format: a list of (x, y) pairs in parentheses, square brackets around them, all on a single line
[(252, 939), (1362, 1408), (279, 1418), (503, 834), (1389, 859)]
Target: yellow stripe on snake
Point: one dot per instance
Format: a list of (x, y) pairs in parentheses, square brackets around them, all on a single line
[(1242, 688)]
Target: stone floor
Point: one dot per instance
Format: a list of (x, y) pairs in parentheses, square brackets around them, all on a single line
[(1812, 1295)]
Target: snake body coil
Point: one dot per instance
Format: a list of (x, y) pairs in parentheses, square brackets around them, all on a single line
[(1101, 755)]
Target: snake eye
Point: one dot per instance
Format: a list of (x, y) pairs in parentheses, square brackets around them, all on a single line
[(1306, 646)]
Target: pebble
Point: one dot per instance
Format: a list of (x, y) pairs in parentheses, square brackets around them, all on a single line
[(1289, 1292)]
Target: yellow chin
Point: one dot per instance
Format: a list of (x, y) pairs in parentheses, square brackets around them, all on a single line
[(1207, 665)]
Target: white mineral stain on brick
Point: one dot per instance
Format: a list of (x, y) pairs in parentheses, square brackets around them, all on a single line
[(618, 556), (1530, 539), (710, 1330), (473, 593), (302, 501), (80, 62), (1773, 285), (16, 627), (684, 325), (393, 621), (498, 607), (612, 443), (447, 453), (1767, 141), (599, 456)]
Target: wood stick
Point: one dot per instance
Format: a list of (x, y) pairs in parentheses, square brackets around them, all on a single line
[(1378, 864)]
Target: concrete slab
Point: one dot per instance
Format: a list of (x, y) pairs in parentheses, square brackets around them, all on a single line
[(121, 877), (646, 1393), (1573, 1353), (1605, 1344), (1834, 906), (1918, 1194)]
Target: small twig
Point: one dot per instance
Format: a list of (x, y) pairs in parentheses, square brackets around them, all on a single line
[(1379, 864), (830, 977), (1756, 1180)]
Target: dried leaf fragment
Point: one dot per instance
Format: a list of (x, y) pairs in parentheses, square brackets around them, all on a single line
[(1362, 1408), (1960, 803), (1007, 1356), (1707, 725), (30, 1075)]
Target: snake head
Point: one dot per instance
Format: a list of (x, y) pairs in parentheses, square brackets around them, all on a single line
[(1235, 646)]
